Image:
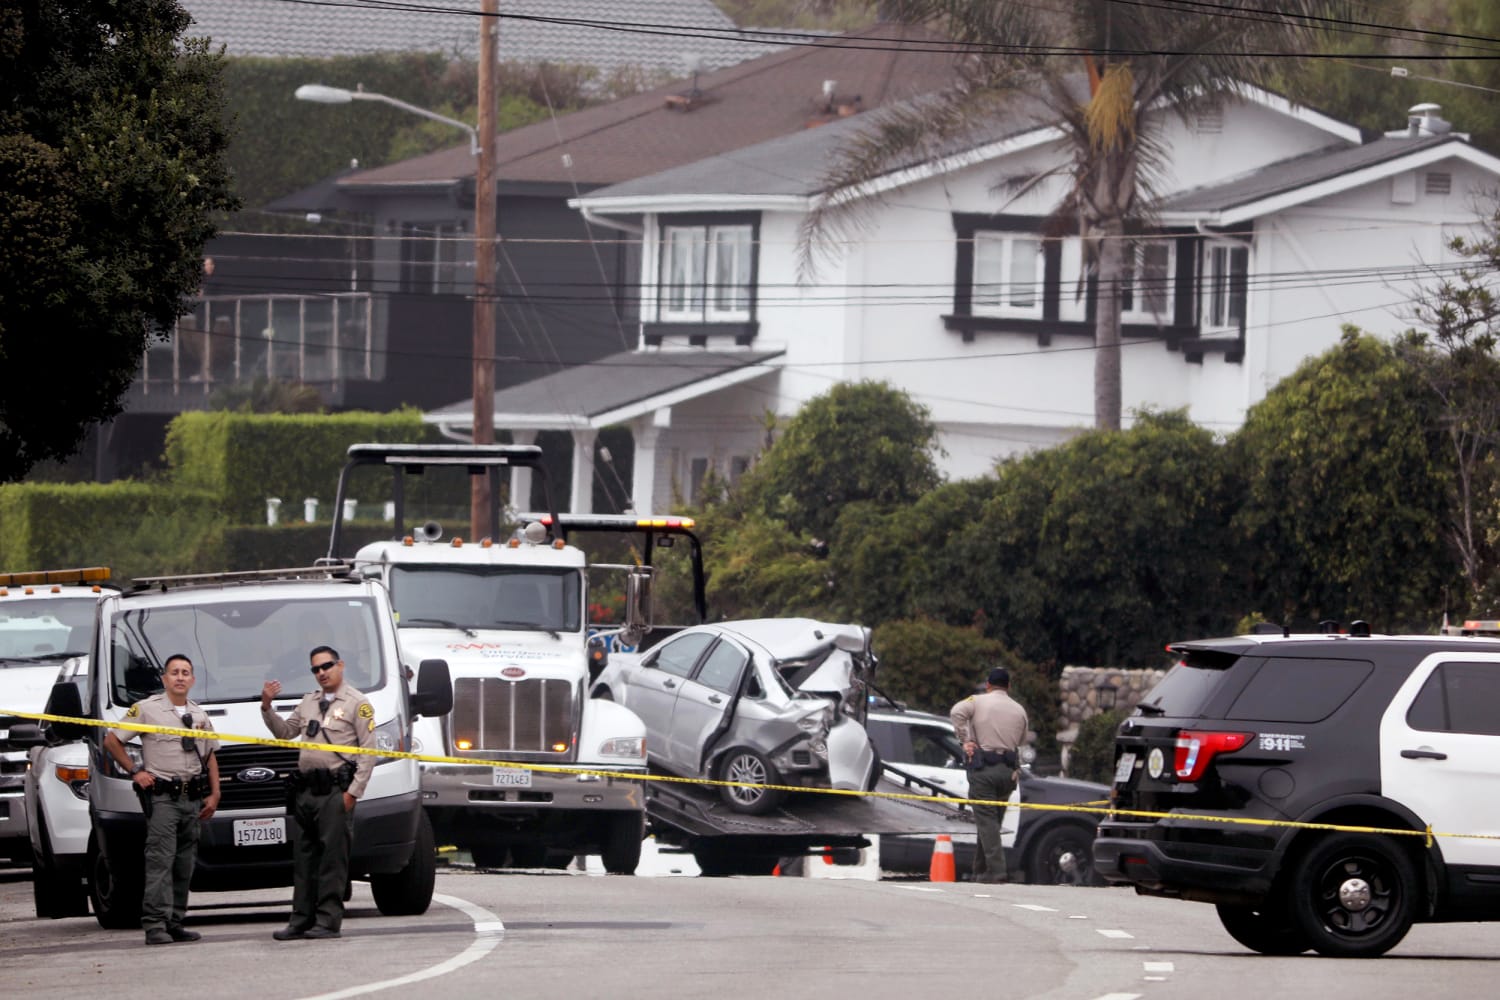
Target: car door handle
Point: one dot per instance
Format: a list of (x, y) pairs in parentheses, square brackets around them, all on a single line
[(669, 684), (714, 699), (1423, 754)]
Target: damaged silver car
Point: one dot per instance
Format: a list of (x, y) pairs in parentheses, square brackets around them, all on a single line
[(770, 701)]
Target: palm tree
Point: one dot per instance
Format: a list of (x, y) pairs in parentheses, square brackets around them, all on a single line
[(1099, 71)]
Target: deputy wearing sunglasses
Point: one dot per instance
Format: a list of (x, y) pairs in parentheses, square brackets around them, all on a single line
[(178, 785), (324, 789)]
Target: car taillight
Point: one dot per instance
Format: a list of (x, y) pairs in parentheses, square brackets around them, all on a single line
[(1195, 750)]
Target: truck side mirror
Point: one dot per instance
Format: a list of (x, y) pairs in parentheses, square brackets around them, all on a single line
[(65, 700), (638, 586), (434, 695), (26, 734)]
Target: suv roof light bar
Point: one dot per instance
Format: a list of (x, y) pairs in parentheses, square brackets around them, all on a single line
[(528, 455), (84, 574), (325, 570)]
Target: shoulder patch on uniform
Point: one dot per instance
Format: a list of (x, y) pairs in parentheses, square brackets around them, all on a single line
[(372, 725), (134, 711), (366, 711)]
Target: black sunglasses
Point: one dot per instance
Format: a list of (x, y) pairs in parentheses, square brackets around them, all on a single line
[(318, 668), (188, 742)]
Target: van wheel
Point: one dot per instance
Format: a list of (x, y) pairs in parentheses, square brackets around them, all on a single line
[(114, 892), (622, 843), (408, 892), (752, 768), (1353, 895), (1264, 930)]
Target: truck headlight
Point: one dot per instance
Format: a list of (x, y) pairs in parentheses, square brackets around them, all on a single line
[(388, 736), (623, 746)]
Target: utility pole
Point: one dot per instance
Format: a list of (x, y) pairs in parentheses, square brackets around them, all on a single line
[(484, 268)]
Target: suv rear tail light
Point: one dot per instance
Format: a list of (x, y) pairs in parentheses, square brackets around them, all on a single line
[(1195, 750)]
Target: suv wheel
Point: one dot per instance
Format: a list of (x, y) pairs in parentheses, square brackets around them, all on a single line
[(1263, 930), (1353, 895)]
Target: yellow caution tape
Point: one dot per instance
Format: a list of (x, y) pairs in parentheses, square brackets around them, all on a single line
[(1100, 807)]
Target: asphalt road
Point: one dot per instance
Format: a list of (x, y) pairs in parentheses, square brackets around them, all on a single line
[(577, 935)]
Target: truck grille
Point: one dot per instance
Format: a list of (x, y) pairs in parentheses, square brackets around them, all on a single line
[(531, 716), (239, 764)]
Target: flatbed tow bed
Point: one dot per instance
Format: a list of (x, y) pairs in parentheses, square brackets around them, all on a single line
[(725, 842)]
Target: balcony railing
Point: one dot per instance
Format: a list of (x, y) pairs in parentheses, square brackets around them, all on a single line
[(233, 340)]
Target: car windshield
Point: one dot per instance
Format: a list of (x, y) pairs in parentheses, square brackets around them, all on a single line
[(487, 597), (32, 631), (236, 646)]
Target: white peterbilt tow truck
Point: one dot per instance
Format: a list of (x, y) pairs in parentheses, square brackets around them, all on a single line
[(509, 615)]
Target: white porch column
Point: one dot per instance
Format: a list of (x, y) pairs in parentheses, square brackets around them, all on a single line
[(643, 472), (581, 500), (520, 475)]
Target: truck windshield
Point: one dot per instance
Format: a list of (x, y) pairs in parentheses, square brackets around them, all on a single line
[(32, 631), (487, 597), (236, 646)]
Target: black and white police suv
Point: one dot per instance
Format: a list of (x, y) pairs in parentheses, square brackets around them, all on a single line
[(1386, 737)]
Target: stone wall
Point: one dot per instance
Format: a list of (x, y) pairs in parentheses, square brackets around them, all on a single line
[(1080, 688)]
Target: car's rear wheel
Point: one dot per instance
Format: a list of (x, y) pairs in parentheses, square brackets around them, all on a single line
[(409, 891), (1063, 855), (749, 767), (1353, 895), (1265, 929)]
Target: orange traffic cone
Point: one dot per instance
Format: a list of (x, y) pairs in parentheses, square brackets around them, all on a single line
[(942, 859)]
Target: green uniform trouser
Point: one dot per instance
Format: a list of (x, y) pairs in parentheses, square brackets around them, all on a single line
[(993, 784), (320, 859), (171, 850)]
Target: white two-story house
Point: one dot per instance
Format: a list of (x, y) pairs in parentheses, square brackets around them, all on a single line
[(1276, 226)]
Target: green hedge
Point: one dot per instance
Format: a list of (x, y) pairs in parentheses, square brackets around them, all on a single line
[(262, 547), (137, 529), (243, 458)]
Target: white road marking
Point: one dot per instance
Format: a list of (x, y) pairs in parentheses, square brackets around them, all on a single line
[(1077, 916), (1117, 996), (918, 888), (488, 928), (1158, 966), (1033, 906), (1111, 933)]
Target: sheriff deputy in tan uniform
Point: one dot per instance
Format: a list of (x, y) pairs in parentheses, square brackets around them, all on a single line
[(178, 785), (992, 727), (325, 787)]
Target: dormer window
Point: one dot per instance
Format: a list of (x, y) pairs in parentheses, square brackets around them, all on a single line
[(706, 273)]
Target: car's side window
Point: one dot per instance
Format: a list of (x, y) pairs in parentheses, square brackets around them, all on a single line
[(1459, 698), (1297, 689), (678, 656), (722, 667), (932, 747)]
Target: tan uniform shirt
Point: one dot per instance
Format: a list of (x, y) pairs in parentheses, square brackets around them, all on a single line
[(994, 720), (164, 755), (349, 721)]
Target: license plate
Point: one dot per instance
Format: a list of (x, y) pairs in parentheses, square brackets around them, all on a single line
[(255, 832), (512, 777), (1123, 769)]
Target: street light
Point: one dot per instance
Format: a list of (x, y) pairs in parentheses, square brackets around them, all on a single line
[(320, 94), (481, 145)]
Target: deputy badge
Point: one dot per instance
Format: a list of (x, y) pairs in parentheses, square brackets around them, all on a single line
[(365, 711), (135, 710), (338, 713)]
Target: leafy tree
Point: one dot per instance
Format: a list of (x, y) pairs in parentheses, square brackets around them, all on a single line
[(1345, 497), (758, 567), (111, 171), (1454, 354), (858, 441), (1101, 549), (1093, 755), (1107, 102)]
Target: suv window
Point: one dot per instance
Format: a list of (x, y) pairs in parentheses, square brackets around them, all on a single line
[(934, 747), (1186, 688), (1297, 689), (1459, 698)]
